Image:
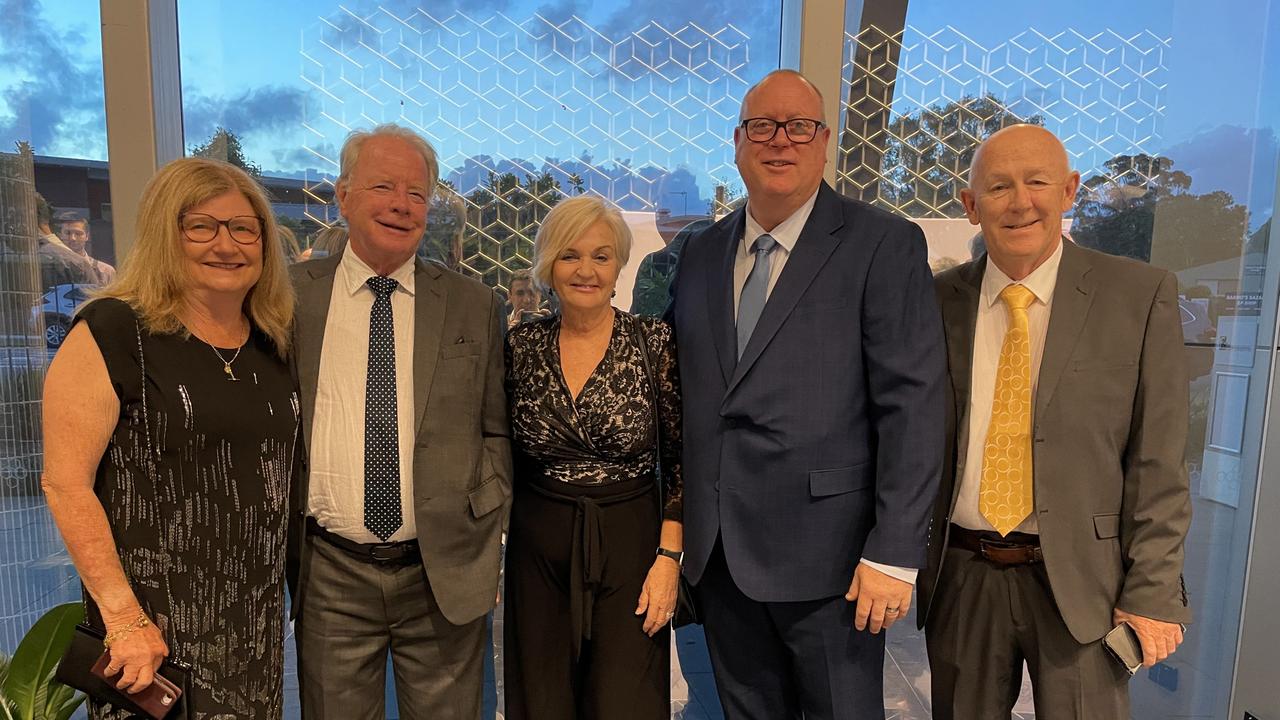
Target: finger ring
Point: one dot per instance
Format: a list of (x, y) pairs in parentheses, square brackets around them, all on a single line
[(671, 615), (891, 611)]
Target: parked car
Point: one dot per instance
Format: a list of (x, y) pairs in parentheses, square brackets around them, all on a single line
[(58, 307)]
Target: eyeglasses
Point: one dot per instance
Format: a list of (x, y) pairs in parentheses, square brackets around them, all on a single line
[(201, 228), (797, 130)]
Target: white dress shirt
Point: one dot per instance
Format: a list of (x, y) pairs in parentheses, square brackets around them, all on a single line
[(336, 493), (786, 234), (988, 338)]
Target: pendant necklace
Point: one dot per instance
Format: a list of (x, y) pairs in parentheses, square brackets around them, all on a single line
[(226, 364)]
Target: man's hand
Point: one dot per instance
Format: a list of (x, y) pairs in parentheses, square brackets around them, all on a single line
[(881, 599), (1159, 638)]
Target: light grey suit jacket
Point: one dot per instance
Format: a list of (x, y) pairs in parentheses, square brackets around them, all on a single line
[(462, 452), (1109, 434)]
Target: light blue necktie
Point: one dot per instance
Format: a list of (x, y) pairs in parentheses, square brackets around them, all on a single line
[(755, 291)]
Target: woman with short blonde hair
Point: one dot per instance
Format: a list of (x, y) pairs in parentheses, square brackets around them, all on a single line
[(171, 426), (595, 414), (566, 222)]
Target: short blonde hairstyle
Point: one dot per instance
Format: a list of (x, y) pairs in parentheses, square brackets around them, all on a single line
[(566, 222), (154, 279), (355, 143)]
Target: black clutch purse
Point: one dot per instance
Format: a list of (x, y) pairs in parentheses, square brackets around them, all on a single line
[(162, 699), (686, 605)]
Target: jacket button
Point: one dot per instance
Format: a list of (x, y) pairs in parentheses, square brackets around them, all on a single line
[(731, 422)]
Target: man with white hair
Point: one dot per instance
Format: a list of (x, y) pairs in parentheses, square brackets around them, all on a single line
[(394, 545)]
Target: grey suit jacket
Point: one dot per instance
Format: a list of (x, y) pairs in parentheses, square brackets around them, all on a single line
[(462, 453), (1109, 434)]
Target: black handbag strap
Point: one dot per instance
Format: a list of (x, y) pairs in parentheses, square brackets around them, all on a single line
[(642, 344)]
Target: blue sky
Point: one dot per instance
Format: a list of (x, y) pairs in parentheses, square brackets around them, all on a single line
[(245, 64)]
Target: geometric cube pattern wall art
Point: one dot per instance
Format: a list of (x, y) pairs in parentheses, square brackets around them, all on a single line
[(908, 132), (618, 114)]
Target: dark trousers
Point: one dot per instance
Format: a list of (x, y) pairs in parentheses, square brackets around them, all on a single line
[(619, 673), (785, 660), (353, 614), (986, 621)]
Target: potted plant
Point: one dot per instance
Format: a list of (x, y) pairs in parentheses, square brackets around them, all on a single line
[(28, 690)]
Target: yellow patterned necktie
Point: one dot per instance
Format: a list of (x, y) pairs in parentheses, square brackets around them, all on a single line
[(1006, 497)]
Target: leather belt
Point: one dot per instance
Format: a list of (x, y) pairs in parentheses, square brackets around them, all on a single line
[(396, 553), (1012, 549)]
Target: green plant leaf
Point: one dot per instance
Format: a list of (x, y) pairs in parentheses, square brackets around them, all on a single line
[(67, 704), (31, 668), (62, 700)]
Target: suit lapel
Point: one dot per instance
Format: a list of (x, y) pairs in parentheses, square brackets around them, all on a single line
[(959, 317), (430, 299), (720, 294), (1072, 296), (816, 243), (314, 292)]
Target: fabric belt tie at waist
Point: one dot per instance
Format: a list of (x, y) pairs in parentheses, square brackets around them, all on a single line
[(586, 565)]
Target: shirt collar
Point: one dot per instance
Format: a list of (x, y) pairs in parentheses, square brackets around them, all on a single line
[(785, 234), (1040, 282), (358, 272)]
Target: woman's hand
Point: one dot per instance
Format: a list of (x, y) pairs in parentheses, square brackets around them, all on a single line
[(658, 596), (136, 655)]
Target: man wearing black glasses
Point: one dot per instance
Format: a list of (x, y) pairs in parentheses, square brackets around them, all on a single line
[(811, 353)]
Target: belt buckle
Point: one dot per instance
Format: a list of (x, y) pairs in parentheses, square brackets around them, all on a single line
[(386, 552), (1028, 553), (985, 545)]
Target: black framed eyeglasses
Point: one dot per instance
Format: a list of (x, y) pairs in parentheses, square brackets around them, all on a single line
[(202, 228), (798, 130)]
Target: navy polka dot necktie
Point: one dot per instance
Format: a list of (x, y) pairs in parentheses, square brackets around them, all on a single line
[(381, 430)]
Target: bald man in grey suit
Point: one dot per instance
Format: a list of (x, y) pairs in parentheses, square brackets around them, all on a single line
[(1035, 562)]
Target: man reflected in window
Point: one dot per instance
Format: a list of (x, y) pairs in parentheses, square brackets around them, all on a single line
[(58, 264), (73, 230), (525, 299)]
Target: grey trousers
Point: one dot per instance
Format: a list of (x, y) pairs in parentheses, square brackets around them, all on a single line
[(985, 621), (353, 613)]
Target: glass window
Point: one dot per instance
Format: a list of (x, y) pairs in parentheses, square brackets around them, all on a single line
[(524, 108), (525, 105), (1178, 155), (56, 245)]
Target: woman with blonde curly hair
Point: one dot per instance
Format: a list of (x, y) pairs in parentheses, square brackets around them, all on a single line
[(170, 426)]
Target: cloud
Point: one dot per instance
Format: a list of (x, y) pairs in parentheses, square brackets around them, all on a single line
[(1238, 160), (55, 98), (262, 109)]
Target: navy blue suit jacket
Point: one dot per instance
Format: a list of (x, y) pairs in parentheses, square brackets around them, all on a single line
[(823, 445)]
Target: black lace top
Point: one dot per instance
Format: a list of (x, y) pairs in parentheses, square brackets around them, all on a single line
[(607, 434)]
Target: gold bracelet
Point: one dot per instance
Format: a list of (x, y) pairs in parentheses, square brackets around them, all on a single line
[(116, 635)]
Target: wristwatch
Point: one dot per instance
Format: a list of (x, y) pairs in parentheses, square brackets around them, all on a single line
[(676, 555)]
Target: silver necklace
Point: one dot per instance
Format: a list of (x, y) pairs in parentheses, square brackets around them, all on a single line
[(226, 364)]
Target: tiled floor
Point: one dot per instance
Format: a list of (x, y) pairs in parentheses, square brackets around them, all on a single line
[(36, 573)]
